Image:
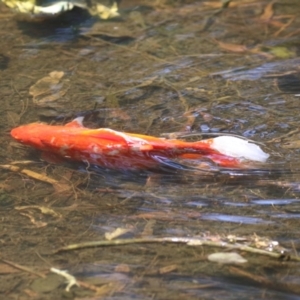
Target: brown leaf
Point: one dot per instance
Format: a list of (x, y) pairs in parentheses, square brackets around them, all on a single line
[(167, 215), (7, 269), (49, 88), (292, 145), (31, 293), (148, 229), (159, 215), (43, 209), (119, 114), (277, 23), (233, 47), (116, 233), (167, 269), (219, 4), (37, 224), (268, 12), (122, 268)]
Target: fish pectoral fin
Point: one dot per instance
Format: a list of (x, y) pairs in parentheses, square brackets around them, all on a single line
[(52, 158)]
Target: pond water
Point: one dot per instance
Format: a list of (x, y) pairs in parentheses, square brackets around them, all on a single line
[(161, 67)]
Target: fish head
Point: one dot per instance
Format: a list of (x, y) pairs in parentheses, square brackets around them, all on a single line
[(51, 138), (29, 134)]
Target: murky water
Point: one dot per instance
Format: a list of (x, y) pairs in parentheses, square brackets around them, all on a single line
[(162, 67)]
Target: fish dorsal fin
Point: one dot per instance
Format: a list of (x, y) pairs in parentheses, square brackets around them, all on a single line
[(76, 123)]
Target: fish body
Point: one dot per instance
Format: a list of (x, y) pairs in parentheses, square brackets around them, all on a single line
[(118, 150)]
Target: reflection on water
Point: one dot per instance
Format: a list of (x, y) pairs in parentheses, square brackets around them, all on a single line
[(275, 201), (235, 219)]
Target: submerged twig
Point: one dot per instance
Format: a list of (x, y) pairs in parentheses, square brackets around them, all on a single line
[(22, 162), (72, 281), (41, 177), (30, 173), (279, 138), (22, 268), (43, 209), (182, 240)]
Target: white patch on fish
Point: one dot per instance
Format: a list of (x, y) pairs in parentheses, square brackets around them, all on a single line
[(113, 152), (134, 143), (95, 149)]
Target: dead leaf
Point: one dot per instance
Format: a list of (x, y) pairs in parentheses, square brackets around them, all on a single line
[(56, 75), (268, 12), (292, 145), (48, 89), (122, 268), (116, 233), (43, 209), (232, 47), (37, 224), (159, 215), (148, 229), (105, 12), (119, 114), (31, 293), (168, 269), (106, 289), (7, 269), (219, 4), (167, 215)]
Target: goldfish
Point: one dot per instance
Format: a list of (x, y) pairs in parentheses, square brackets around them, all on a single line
[(129, 151)]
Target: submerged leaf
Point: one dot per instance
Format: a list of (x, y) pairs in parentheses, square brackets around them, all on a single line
[(292, 144), (282, 52), (105, 12), (268, 12), (116, 233), (232, 47), (48, 89)]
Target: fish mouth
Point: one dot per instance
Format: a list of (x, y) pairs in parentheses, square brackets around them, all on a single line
[(14, 134)]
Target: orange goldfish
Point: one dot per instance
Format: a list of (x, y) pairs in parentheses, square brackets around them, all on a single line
[(119, 150)]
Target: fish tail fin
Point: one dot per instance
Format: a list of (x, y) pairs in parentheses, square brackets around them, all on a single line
[(236, 148), (229, 151)]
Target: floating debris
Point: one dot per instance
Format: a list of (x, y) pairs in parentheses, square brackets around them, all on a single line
[(54, 8), (71, 280), (227, 258)]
